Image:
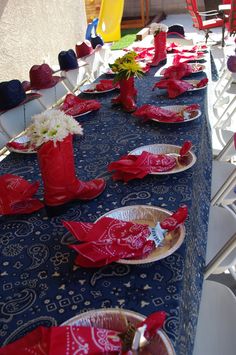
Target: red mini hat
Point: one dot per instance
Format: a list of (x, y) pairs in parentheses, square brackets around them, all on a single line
[(41, 77)]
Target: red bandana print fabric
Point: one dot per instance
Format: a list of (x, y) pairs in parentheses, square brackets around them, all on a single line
[(178, 71), (174, 87), (184, 58), (109, 240), (16, 195), (151, 112), (66, 340), (73, 105)]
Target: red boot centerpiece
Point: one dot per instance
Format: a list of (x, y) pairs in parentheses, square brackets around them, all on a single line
[(52, 132), (159, 31), (125, 69)]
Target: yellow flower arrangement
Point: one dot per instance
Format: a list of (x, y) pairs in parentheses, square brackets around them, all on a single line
[(126, 67)]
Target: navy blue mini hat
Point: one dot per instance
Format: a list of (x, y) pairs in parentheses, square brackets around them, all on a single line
[(67, 60), (11, 94), (176, 31)]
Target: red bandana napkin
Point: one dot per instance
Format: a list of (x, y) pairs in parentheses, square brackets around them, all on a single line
[(66, 340), (80, 340), (202, 83), (16, 195), (73, 105), (174, 87), (24, 147), (178, 71), (143, 52), (109, 239), (183, 58), (152, 112), (131, 167), (104, 85), (173, 47)]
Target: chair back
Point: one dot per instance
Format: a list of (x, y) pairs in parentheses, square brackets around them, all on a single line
[(4, 139), (192, 8), (16, 120), (232, 18), (74, 78), (53, 95)]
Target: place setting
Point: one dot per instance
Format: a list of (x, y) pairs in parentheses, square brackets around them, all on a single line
[(101, 87), (128, 235), (75, 106), (21, 145), (173, 114)]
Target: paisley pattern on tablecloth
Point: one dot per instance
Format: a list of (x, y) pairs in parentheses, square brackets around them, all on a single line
[(39, 285)]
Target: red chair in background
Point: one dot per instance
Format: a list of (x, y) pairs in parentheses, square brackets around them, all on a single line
[(199, 21), (231, 23)]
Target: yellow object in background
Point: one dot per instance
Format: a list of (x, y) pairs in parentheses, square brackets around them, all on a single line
[(110, 16)]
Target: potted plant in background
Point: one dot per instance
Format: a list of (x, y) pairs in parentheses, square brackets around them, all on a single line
[(51, 133), (159, 32), (125, 69)]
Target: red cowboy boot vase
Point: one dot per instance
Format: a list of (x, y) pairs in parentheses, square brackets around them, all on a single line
[(127, 96), (61, 185), (160, 49)]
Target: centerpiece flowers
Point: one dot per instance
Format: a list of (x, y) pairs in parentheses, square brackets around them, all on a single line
[(125, 69), (51, 134), (159, 32)]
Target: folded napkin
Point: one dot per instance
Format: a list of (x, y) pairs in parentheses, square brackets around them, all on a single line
[(178, 71), (16, 195), (131, 167), (173, 47), (202, 83), (104, 85), (24, 147), (174, 87), (66, 340), (80, 340), (74, 106), (109, 239), (151, 112), (183, 58)]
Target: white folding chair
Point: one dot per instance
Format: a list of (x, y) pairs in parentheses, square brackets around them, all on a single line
[(50, 97), (216, 321), (96, 64), (221, 241), (224, 175), (4, 138), (75, 78), (16, 120)]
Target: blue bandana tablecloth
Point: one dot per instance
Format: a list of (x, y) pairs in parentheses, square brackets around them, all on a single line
[(39, 285)]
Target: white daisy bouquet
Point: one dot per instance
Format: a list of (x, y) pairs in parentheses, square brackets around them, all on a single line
[(52, 125), (156, 28)]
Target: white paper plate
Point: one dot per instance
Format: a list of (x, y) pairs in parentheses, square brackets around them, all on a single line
[(167, 149), (22, 139), (82, 114), (150, 215), (116, 319), (92, 86), (188, 116)]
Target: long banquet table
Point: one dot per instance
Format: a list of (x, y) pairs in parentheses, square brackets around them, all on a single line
[(39, 283)]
